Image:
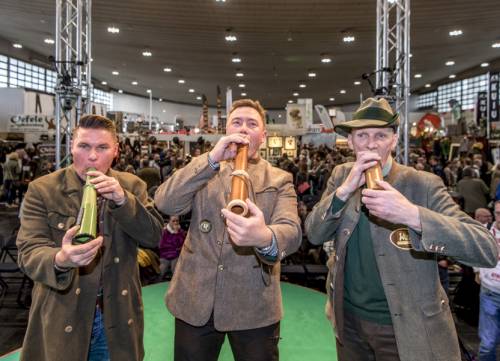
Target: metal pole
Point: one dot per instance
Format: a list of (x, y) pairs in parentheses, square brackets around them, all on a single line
[(150, 109)]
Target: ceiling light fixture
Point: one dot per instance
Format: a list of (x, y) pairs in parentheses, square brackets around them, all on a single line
[(302, 85), (49, 41), (457, 32), (343, 91), (243, 94), (357, 82), (134, 83), (449, 63), (325, 59), (104, 83), (148, 91), (331, 99), (191, 90), (349, 39), (160, 100), (312, 74), (417, 76), (167, 70), (495, 45), (114, 72), (295, 94), (485, 65), (17, 46), (120, 91), (230, 36), (452, 76), (290, 101), (147, 53), (181, 81), (427, 85), (241, 85), (236, 58), (240, 74), (113, 30), (198, 98)]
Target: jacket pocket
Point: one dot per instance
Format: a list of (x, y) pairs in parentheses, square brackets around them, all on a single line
[(440, 329), (59, 224)]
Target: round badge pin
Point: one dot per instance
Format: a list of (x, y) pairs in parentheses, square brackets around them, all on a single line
[(205, 226)]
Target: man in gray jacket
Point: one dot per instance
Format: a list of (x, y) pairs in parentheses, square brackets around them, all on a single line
[(385, 299), (227, 277)]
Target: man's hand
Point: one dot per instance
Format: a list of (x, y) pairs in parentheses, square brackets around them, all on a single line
[(76, 255), (390, 205), (356, 177), (251, 231), (107, 187), (226, 147)]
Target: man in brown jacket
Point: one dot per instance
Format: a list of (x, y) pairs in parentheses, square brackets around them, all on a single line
[(227, 277), (87, 298)]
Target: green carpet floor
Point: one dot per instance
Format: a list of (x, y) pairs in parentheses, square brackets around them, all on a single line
[(306, 333)]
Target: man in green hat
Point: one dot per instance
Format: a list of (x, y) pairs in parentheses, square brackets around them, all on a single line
[(385, 299)]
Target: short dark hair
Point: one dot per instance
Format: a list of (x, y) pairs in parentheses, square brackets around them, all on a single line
[(250, 104), (93, 121)]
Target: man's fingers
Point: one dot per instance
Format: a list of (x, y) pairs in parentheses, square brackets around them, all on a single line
[(70, 234), (87, 247), (252, 208), (233, 217)]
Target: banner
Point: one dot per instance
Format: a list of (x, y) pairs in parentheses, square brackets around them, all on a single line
[(481, 107), (29, 123), (493, 98)]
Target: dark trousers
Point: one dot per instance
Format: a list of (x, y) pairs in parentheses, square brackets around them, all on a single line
[(367, 341), (204, 343)]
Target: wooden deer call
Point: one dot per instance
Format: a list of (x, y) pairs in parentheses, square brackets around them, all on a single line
[(239, 190)]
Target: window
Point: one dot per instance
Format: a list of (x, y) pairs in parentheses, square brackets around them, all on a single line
[(4, 83), (427, 100), (470, 88), (102, 97), (446, 93)]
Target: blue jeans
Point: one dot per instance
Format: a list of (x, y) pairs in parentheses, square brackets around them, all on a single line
[(98, 343), (489, 324)]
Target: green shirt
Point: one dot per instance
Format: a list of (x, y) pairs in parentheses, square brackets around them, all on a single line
[(364, 294)]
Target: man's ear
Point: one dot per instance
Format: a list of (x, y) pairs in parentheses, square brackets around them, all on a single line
[(349, 141), (395, 140)]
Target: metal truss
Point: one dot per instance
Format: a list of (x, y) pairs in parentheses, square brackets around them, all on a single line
[(73, 64), (393, 64)]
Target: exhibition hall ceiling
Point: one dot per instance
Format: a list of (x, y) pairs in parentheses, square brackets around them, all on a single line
[(279, 43)]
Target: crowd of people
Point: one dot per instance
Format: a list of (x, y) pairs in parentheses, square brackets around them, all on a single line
[(316, 182)]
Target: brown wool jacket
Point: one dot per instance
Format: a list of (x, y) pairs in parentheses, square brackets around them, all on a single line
[(421, 316), (214, 275), (62, 311)]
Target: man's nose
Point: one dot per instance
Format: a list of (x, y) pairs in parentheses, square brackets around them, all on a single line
[(93, 154)]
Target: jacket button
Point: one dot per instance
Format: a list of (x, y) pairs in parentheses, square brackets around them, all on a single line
[(130, 322), (219, 243), (221, 267), (68, 329), (60, 225), (346, 231), (116, 260), (336, 258), (124, 292), (283, 254), (78, 291)]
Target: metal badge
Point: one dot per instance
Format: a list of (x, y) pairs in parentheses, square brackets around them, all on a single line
[(205, 226), (400, 238)]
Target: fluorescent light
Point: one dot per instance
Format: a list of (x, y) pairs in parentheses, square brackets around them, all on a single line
[(147, 53), (134, 83), (164, 111), (114, 72), (418, 76), (457, 32), (160, 100), (449, 63), (236, 60), (349, 39), (191, 90), (302, 85), (104, 82), (240, 74), (241, 85), (495, 45), (295, 94), (243, 94), (485, 65), (452, 76), (148, 91), (311, 74), (357, 82), (411, 55), (427, 85), (343, 91), (230, 36), (181, 81), (49, 41), (326, 60), (17, 46), (290, 101), (198, 98), (331, 99), (113, 30), (167, 70)]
